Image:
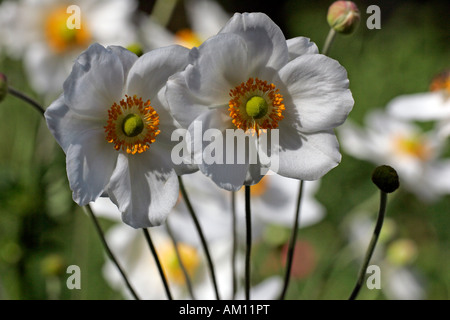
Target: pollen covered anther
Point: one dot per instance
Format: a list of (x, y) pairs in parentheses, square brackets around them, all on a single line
[(132, 125), (256, 106)]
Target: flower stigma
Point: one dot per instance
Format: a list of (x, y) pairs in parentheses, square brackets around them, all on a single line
[(132, 125), (256, 106)]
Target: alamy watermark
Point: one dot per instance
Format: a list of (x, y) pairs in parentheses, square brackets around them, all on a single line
[(231, 146)]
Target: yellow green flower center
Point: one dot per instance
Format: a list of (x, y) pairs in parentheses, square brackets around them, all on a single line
[(256, 106), (414, 146), (132, 125)]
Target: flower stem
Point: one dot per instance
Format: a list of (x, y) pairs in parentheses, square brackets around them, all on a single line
[(200, 232), (234, 249), (89, 211), (158, 263), (292, 242), (372, 244), (328, 41), (183, 268), (27, 99), (248, 223)]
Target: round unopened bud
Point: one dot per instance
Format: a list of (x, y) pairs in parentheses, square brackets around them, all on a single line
[(3, 86), (385, 178), (343, 16)]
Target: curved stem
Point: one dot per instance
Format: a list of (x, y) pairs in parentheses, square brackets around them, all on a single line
[(248, 223), (27, 99), (183, 268), (328, 41), (292, 242), (372, 244), (158, 263), (88, 209), (200, 232)]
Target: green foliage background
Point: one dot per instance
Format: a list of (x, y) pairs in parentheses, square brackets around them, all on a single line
[(39, 221)]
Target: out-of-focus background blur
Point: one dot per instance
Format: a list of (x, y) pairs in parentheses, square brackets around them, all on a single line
[(42, 231)]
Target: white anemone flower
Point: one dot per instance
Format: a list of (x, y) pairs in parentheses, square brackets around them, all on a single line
[(112, 123), (427, 106), (49, 34), (249, 78), (413, 153), (205, 19)]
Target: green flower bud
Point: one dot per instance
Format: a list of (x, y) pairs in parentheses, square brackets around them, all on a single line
[(385, 178), (343, 16), (3, 86), (136, 48)]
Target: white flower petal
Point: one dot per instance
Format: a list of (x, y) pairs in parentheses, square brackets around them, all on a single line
[(420, 106), (219, 64), (96, 82), (318, 87), (266, 43), (152, 70), (299, 46), (227, 176), (90, 161), (144, 187), (317, 154), (66, 125), (184, 106)]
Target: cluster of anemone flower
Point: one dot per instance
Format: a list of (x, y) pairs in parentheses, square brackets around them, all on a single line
[(123, 118), (117, 113)]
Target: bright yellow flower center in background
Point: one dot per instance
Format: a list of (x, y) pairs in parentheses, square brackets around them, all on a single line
[(414, 146), (256, 106), (171, 264), (187, 38), (61, 38), (132, 125)]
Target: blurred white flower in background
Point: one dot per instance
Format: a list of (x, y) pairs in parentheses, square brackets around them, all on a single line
[(427, 106), (273, 202), (205, 18), (394, 255), (414, 153), (37, 32)]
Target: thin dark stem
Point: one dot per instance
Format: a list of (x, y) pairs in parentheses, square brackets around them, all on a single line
[(329, 41), (99, 230), (183, 268), (234, 249), (293, 240), (158, 263), (248, 223), (27, 99), (200, 232), (372, 244)]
